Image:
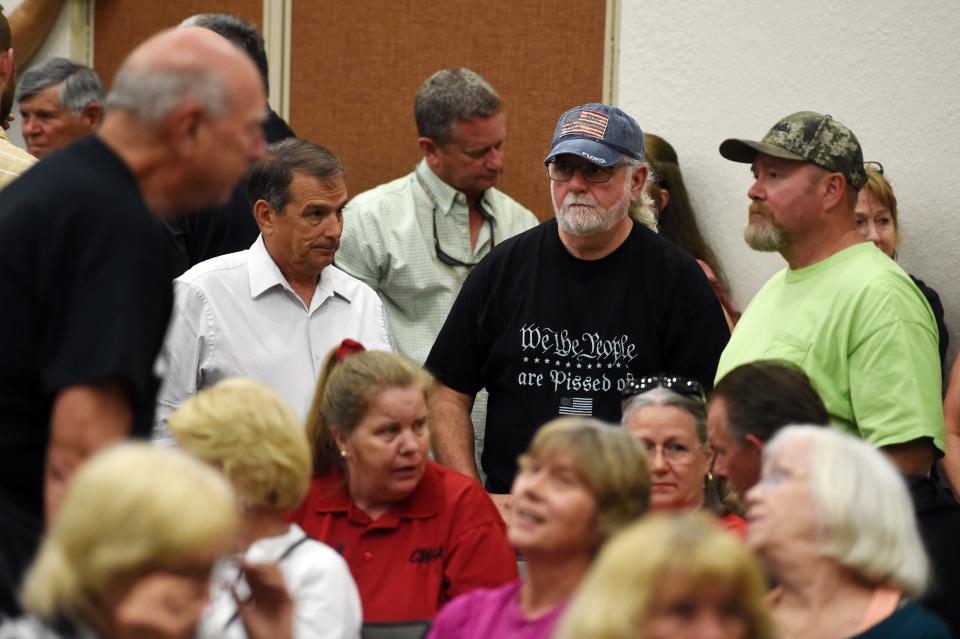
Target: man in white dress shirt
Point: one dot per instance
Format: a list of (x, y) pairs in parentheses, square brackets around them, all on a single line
[(274, 311)]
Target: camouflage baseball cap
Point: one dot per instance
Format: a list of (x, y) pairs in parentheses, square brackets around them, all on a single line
[(806, 136)]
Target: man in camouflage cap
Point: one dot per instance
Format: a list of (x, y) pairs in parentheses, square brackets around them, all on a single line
[(841, 310)]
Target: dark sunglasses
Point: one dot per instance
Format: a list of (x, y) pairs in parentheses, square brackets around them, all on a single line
[(676, 383)]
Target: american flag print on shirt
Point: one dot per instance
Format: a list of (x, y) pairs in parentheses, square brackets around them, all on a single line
[(586, 123), (582, 406)]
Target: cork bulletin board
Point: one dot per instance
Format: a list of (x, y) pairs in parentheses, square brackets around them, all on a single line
[(120, 25), (355, 67)]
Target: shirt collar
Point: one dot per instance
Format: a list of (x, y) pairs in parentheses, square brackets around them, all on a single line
[(265, 275), (445, 194), (422, 503)]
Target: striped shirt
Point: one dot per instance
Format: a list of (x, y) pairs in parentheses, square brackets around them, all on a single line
[(13, 160)]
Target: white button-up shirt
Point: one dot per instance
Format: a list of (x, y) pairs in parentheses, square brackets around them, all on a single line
[(237, 316)]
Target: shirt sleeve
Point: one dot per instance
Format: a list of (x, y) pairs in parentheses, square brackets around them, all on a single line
[(457, 357), (895, 385), (183, 353), (696, 329), (326, 601), (479, 556), (452, 619), (362, 253)]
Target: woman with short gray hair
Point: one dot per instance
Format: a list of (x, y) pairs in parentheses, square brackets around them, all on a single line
[(833, 522)]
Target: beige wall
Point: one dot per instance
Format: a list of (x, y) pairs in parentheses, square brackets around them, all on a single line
[(699, 72)]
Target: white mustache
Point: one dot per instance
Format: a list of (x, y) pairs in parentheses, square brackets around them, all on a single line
[(572, 199)]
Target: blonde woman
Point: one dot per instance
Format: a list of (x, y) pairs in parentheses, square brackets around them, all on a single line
[(671, 577), (130, 553), (249, 433), (579, 482)]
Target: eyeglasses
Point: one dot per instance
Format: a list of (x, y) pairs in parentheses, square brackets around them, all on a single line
[(449, 260), (562, 172), (679, 385), (673, 452), (442, 255), (876, 166)]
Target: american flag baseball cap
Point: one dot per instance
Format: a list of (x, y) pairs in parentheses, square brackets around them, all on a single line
[(600, 133)]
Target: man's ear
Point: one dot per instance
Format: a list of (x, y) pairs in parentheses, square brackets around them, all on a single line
[(263, 213), (6, 67), (752, 441), (184, 126), (639, 180), (664, 198), (834, 187), (429, 148), (91, 115)]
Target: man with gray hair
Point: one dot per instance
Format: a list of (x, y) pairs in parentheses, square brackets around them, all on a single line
[(415, 239), (559, 320), (60, 101), (85, 269), (273, 312)]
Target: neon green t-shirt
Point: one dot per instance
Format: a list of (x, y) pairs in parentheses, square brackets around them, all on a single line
[(863, 333)]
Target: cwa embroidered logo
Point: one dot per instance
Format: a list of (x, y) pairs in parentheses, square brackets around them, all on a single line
[(586, 122), (426, 555)]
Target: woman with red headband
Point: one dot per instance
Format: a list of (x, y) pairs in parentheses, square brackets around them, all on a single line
[(414, 533)]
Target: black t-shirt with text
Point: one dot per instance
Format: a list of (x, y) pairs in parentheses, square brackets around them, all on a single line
[(548, 334)]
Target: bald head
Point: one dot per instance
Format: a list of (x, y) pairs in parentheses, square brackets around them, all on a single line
[(186, 112), (182, 67)]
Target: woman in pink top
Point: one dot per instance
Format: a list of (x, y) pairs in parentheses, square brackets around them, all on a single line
[(580, 481)]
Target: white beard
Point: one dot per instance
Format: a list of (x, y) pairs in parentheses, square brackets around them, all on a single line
[(580, 215)]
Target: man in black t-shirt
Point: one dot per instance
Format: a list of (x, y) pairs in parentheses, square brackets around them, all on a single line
[(557, 320), (85, 268), (201, 235)]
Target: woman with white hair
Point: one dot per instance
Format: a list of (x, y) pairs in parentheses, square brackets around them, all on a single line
[(833, 522), (249, 433)]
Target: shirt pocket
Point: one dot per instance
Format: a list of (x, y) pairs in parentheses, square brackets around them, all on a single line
[(788, 347)]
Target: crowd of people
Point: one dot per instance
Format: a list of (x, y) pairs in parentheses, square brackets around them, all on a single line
[(316, 375)]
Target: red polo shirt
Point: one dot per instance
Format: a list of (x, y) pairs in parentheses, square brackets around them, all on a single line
[(444, 539)]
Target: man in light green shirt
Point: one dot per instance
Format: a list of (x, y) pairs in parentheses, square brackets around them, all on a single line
[(415, 239), (844, 312)]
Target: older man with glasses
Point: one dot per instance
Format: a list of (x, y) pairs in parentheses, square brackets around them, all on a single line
[(560, 319)]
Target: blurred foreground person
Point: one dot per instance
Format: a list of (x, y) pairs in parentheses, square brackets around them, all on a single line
[(247, 431), (578, 484), (130, 555), (414, 533), (833, 523), (671, 577), (85, 272)]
